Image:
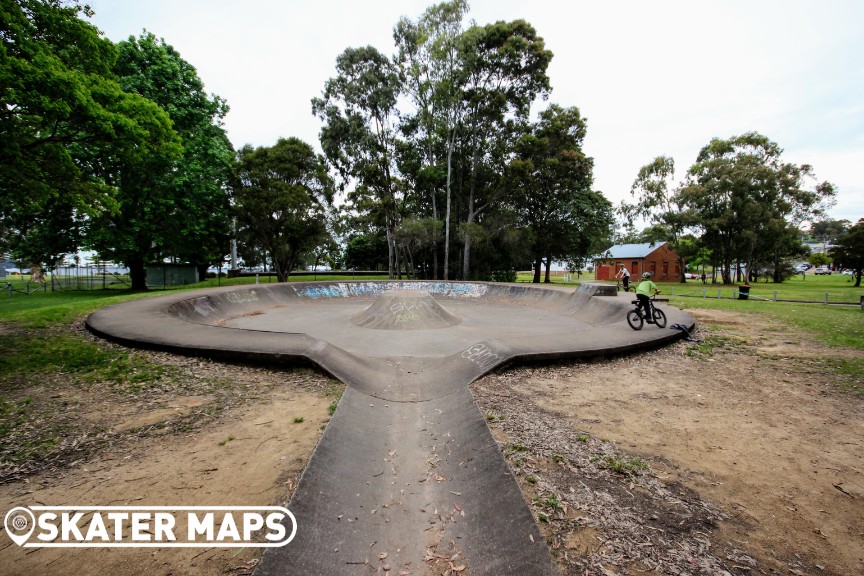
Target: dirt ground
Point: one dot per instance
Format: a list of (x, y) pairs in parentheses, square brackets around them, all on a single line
[(762, 455), (237, 444), (734, 455)]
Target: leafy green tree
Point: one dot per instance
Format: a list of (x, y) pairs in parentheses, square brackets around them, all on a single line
[(828, 230), (366, 252), (467, 87), (44, 237), (358, 107), (848, 251), (742, 196), (281, 197), (657, 201), (65, 122), (553, 178), (819, 259), (169, 205), (505, 71), (428, 60)]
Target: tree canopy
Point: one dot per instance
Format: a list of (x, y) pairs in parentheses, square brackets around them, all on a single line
[(280, 199), (848, 251), (745, 201), (445, 168), (170, 204), (65, 119), (567, 219)]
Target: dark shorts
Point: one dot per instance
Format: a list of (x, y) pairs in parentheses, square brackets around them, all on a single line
[(626, 281)]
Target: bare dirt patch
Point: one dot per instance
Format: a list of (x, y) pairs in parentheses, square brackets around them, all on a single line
[(735, 455), (213, 434)]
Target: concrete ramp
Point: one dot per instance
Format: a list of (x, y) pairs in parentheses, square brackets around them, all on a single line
[(407, 467), (406, 480), (404, 310)]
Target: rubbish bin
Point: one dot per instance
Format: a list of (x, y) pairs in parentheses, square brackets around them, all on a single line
[(744, 292)]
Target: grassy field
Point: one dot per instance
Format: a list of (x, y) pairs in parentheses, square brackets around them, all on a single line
[(812, 288)]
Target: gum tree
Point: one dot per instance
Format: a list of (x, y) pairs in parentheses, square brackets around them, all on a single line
[(358, 108), (748, 202), (505, 71), (553, 179), (657, 200)]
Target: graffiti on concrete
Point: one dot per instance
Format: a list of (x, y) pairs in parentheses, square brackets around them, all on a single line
[(354, 289), (482, 356), (408, 311), (242, 297)]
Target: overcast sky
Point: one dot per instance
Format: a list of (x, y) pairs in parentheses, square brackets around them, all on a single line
[(652, 78)]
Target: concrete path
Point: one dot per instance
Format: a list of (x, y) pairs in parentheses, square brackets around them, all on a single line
[(407, 468)]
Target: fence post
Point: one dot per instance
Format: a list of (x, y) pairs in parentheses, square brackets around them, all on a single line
[(862, 303), (672, 293), (719, 293), (826, 298), (775, 295)]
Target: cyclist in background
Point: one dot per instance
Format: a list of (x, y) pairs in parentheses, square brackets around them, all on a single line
[(624, 276), (644, 291)]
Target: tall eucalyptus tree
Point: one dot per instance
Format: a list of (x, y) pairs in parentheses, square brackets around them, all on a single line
[(358, 108)]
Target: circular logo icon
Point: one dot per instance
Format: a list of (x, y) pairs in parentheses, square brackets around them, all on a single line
[(19, 523)]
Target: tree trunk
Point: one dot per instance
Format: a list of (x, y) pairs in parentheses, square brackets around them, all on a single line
[(137, 273), (410, 270), (447, 216), (466, 257), (390, 258), (778, 273), (37, 273), (537, 263), (548, 280)]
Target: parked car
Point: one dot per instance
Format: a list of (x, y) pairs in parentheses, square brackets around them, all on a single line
[(802, 267), (822, 271), (848, 273), (691, 276)]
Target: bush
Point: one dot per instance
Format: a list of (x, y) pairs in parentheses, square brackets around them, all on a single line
[(504, 275)]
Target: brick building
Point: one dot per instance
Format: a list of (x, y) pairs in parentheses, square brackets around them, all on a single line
[(663, 263)]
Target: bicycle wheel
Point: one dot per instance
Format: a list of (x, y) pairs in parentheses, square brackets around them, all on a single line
[(634, 319), (659, 318)]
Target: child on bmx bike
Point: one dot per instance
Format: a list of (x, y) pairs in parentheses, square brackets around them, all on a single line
[(644, 291)]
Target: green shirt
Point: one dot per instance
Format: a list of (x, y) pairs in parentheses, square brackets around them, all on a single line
[(646, 287)]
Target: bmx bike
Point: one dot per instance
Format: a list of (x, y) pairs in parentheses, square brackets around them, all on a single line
[(620, 286), (637, 317)]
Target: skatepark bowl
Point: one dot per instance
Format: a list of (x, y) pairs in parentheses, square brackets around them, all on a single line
[(407, 435)]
